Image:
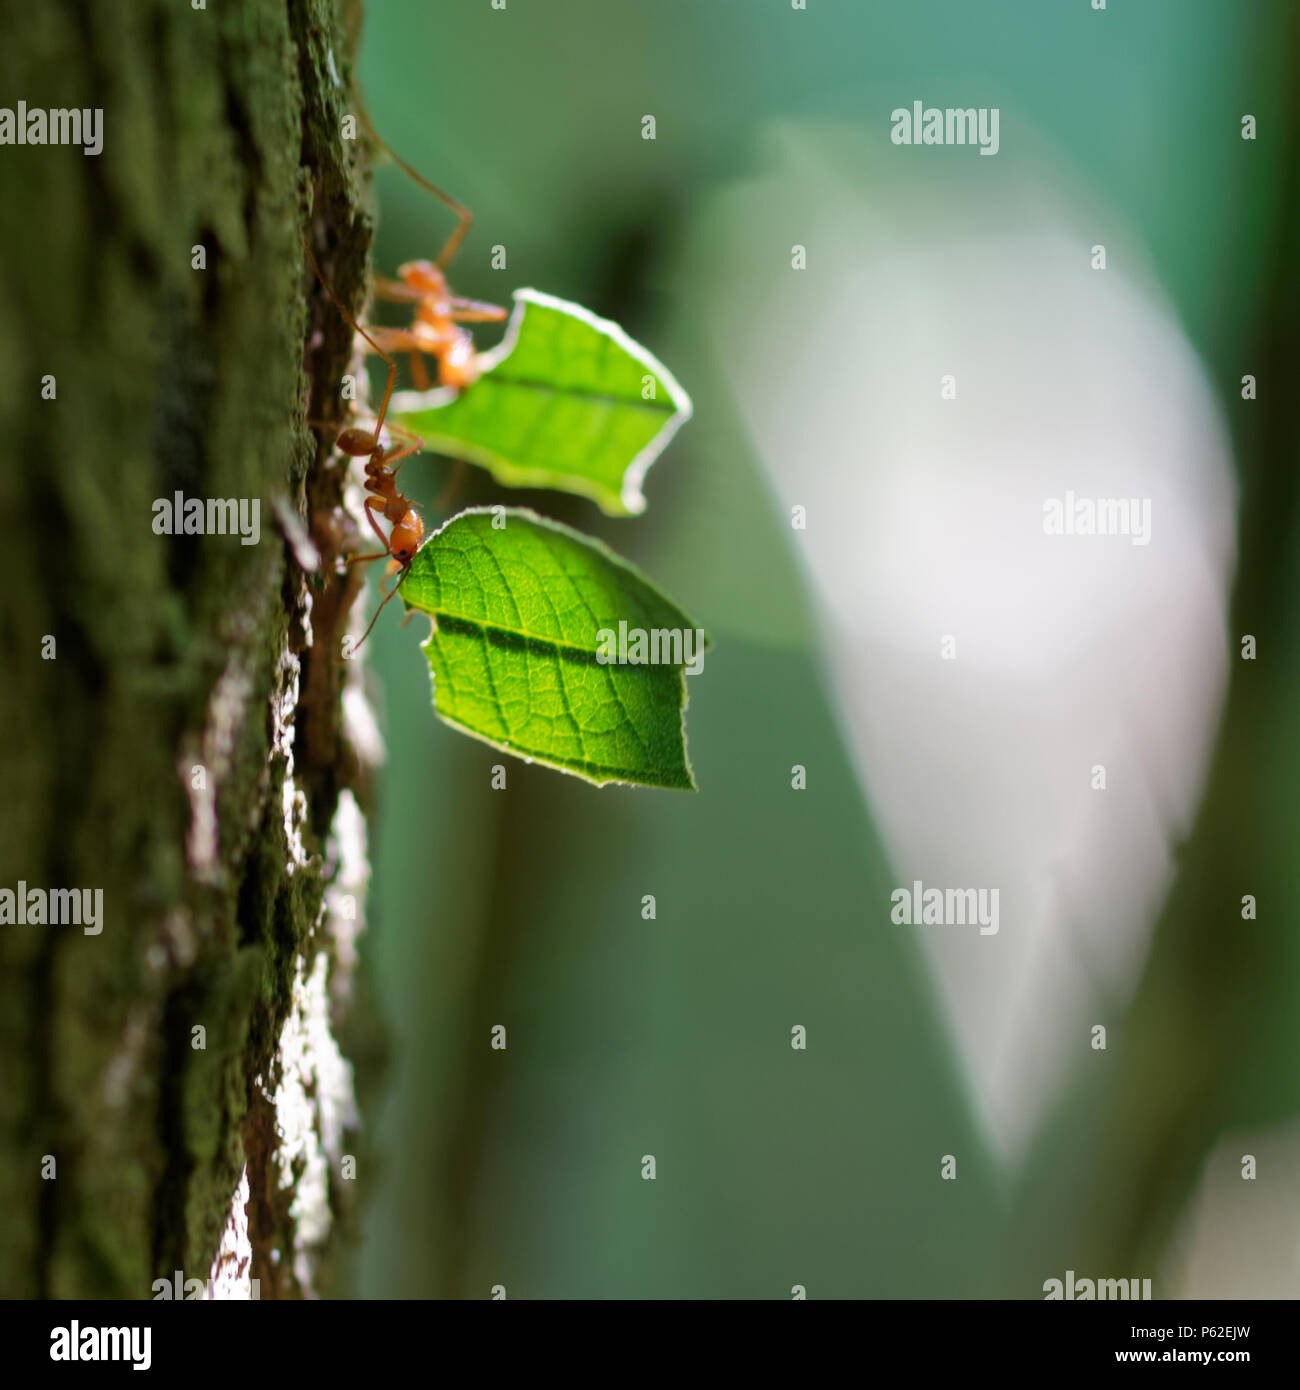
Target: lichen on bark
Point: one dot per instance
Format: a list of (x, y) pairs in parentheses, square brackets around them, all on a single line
[(181, 743)]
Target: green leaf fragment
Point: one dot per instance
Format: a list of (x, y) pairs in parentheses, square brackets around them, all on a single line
[(567, 401), (522, 613)]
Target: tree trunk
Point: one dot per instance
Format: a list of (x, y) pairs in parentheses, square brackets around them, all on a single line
[(173, 727)]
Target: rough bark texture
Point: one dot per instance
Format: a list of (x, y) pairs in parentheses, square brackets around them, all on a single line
[(172, 706)]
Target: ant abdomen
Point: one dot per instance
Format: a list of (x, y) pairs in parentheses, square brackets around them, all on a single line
[(357, 442)]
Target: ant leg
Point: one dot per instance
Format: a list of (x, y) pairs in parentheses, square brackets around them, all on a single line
[(365, 559), (475, 311), (452, 244), (356, 328), (393, 339), (410, 444), (401, 339), (374, 504), (419, 345), (394, 291), (382, 605)]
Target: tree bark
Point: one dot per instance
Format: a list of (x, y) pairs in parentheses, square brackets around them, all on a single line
[(173, 705)]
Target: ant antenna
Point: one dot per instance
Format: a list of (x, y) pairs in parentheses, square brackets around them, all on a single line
[(452, 244), (356, 328), (378, 611)]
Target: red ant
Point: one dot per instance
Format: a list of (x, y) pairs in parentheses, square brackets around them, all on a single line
[(406, 529), (436, 328)]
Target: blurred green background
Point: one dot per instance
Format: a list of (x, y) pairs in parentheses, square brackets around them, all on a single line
[(523, 907)]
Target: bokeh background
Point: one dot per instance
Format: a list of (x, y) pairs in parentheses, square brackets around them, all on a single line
[(820, 388)]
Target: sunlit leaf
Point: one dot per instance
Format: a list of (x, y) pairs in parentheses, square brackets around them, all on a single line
[(524, 609), (567, 401)]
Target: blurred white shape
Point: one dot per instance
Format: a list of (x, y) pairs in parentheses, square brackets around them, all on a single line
[(925, 520), (1240, 1238)]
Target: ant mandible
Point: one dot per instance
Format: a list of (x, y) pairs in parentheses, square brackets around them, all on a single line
[(406, 529), (436, 329)]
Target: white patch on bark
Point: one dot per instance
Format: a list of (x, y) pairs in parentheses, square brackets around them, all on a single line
[(312, 1087), (230, 1278), (226, 710), (347, 866), (314, 1105), (284, 705)]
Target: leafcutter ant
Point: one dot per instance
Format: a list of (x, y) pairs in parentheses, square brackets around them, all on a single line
[(436, 329), (406, 529)]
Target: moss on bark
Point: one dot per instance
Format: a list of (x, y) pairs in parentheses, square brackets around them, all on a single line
[(222, 131)]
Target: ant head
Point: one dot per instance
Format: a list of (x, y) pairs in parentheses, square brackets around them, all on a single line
[(404, 539), (423, 276)]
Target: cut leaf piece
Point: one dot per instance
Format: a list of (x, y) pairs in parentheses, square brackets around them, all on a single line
[(523, 610), (567, 401)]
